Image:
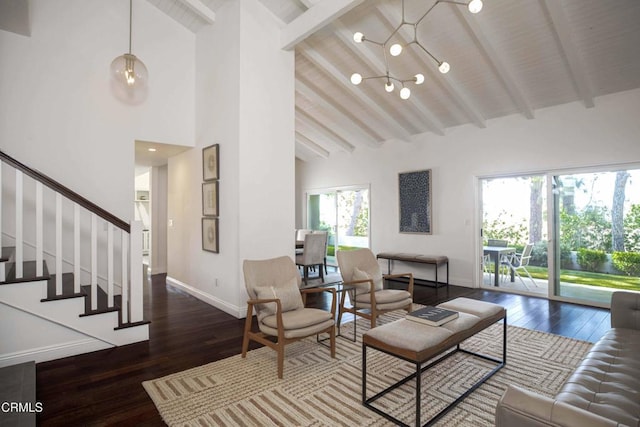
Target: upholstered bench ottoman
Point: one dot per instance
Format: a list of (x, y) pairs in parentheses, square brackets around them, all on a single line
[(418, 343), (435, 260)]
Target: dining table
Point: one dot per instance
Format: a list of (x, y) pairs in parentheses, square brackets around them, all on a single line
[(496, 253)]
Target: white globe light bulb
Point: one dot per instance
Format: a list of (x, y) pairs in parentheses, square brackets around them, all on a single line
[(475, 6), (358, 37), (356, 78), (388, 86), (405, 93), (444, 67), (419, 79), (395, 49)]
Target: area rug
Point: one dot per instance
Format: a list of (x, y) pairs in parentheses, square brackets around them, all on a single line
[(320, 391)]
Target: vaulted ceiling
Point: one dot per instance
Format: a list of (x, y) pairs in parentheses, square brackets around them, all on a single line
[(514, 57)]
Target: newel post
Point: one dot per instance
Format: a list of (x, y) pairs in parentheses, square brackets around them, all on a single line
[(135, 269)]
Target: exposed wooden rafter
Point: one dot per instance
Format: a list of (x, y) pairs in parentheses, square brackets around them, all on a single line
[(499, 65), (322, 63), (322, 129), (576, 67), (368, 135), (200, 9), (307, 143), (313, 19)]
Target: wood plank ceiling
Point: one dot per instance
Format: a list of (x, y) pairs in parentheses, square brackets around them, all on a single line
[(514, 57)]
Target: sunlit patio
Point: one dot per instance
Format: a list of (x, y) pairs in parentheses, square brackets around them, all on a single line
[(597, 294)]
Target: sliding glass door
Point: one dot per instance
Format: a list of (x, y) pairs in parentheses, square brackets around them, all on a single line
[(515, 233), (597, 228), (344, 213), (587, 247)]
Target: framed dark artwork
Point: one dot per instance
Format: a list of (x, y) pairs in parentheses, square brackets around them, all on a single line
[(211, 162), (210, 234), (415, 201), (210, 198)]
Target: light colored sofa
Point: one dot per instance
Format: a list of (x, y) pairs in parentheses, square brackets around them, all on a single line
[(603, 391)]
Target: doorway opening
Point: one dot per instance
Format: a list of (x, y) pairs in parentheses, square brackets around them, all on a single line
[(342, 212)]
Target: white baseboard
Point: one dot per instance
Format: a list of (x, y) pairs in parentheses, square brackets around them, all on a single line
[(208, 298), (52, 352)]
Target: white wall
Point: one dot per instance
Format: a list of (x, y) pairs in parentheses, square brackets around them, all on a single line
[(57, 113), (567, 136), (244, 103), (24, 337), (159, 182)]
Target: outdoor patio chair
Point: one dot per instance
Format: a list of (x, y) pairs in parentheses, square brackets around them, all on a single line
[(520, 262), (486, 266), (273, 286), (370, 299), (497, 242)]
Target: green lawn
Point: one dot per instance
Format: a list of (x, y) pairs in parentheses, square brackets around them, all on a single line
[(590, 279), (331, 249)]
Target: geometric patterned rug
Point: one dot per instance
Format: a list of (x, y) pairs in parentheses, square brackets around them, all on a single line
[(320, 391)]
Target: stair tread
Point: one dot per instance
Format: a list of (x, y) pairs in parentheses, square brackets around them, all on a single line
[(132, 324), (28, 272), (5, 254), (67, 288), (103, 306)]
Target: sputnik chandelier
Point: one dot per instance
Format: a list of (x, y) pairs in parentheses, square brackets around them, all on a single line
[(396, 49)]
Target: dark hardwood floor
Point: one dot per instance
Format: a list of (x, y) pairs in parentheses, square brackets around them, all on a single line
[(104, 388)]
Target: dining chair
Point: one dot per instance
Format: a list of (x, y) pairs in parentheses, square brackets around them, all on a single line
[(314, 254), (300, 233), (326, 248), (370, 299), (273, 287)]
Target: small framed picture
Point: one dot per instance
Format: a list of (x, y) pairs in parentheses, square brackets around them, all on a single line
[(211, 163), (210, 198), (210, 234)]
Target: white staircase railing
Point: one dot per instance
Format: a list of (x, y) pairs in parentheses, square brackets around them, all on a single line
[(81, 227)]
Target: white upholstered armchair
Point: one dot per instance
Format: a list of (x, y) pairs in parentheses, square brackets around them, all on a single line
[(273, 286), (360, 267)]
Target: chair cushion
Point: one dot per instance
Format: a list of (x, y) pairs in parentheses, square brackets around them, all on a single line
[(288, 294), (385, 296), (302, 322), (376, 276)]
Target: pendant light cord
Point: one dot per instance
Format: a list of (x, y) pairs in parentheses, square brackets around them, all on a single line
[(130, 19)]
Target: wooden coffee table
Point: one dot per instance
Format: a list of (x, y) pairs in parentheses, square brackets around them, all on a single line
[(418, 343)]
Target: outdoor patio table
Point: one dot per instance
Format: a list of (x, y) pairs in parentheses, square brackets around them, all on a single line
[(496, 253)]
